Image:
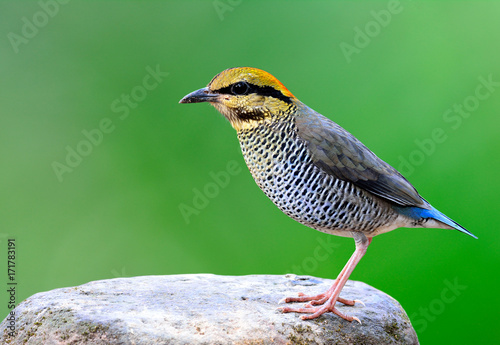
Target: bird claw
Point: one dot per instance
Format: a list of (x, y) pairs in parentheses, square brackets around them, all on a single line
[(355, 318), (361, 302), (318, 311), (326, 306)]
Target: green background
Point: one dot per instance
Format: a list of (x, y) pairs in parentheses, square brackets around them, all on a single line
[(116, 214)]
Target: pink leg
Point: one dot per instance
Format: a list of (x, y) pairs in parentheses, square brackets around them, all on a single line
[(332, 295), (323, 297)]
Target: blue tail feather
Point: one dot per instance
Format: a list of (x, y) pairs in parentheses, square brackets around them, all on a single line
[(419, 213)]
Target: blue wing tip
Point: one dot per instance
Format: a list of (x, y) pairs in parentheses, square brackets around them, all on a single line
[(448, 221), (465, 231), (418, 213)]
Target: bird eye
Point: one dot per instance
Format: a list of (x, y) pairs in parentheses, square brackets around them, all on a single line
[(240, 88)]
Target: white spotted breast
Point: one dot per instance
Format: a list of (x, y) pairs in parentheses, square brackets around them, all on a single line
[(283, 168)]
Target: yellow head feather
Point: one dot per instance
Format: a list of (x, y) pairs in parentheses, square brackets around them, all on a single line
[(251, 75)]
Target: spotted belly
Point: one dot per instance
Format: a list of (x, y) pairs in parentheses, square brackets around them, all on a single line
[(283, 168)]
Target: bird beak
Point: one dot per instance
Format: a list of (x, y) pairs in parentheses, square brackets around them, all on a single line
[(201, 95)]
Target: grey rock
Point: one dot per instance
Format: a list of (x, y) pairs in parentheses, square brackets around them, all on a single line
[(203, 309)]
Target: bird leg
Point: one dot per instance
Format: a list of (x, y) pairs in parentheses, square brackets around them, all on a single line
[(328, 299), (322, 297)]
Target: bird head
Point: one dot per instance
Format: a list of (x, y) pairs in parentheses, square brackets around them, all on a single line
[(245, 96)]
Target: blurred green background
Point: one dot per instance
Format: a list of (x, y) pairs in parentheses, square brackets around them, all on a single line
[(392, 80)]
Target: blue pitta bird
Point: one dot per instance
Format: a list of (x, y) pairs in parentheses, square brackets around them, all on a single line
[(316, 172)]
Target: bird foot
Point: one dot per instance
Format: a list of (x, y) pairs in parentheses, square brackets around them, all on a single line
[(327, 302), (318, 299), (314, 312)]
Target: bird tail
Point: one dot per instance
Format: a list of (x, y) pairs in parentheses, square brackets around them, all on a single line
[(450, 222), (433, 213)]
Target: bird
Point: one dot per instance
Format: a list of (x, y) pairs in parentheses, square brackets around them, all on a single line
[(316, 172)]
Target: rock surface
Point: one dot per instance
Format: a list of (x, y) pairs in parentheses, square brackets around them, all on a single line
[(203, 309)]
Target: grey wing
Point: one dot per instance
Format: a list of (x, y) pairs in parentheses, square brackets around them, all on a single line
[(339, 153)]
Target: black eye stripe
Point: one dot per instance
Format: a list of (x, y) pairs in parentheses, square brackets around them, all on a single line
[(252, 88)]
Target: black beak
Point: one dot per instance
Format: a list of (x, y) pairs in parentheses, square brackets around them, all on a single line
[(201, 95)]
